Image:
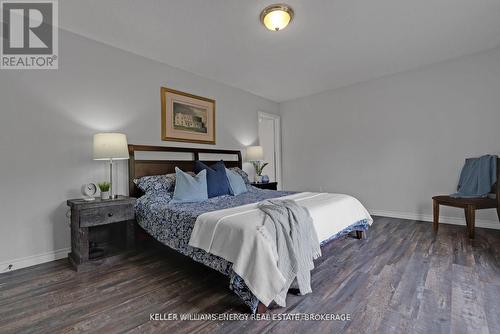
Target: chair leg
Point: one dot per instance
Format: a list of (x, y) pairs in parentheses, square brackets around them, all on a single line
[(435, 206), (470, 218)]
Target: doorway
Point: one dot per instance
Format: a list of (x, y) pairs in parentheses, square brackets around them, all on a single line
[(270, 140)]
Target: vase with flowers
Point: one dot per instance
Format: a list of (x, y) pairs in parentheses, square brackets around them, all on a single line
[(259, 168)]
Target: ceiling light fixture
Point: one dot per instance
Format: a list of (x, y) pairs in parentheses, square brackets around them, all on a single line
[(276, 17)]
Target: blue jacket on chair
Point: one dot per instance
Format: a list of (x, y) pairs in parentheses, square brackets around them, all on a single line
[(477, 177)]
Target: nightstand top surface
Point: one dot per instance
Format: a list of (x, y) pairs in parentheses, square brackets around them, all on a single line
[(80, 203)]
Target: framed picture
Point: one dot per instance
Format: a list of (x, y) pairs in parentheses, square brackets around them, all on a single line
[(186, 117)]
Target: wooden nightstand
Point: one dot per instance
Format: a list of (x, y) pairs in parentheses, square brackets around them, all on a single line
[(269, 185), (102, 231)]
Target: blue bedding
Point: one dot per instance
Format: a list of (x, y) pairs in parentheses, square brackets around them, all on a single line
[(172, 224)]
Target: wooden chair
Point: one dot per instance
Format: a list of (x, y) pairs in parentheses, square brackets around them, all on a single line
[(470, 205)]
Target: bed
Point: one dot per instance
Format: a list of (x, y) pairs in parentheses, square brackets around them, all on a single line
[(172, 223)]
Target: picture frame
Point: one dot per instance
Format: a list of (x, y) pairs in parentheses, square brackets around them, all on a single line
[(186, 117)]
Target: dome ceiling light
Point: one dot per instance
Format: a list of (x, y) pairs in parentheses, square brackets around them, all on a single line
[(276, 17)]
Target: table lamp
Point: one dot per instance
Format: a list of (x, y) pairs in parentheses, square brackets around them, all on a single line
[(110, 146)]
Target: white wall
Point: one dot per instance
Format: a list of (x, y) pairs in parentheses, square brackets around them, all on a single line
[(47, 119), (395, 142)]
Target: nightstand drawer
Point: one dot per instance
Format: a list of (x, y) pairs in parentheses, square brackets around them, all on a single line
[(106, 215)]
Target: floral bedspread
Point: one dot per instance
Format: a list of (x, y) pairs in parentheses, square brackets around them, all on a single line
[(172, 224)]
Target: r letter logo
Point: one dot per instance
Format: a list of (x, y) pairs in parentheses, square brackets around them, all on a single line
[(30, 34)]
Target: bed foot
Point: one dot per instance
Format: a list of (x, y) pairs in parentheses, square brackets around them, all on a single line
[(360, 235), (261, 308)]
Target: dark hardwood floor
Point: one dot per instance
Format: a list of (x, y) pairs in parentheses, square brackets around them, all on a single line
[(401, 279)]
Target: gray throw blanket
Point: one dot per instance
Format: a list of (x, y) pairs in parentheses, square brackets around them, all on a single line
[(477, 177), (297, 244)]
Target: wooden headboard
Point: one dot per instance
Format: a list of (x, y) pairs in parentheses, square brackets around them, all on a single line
[(138, 167)]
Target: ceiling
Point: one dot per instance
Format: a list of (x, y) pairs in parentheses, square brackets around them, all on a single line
[(329, 44)]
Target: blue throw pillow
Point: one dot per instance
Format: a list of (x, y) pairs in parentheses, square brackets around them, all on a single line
[(190, 188), (236, 183), (217, 183)]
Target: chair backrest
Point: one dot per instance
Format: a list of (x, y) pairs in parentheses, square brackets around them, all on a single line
[(496, 186)]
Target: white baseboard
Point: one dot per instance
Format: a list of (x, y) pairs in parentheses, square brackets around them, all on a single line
[(428, 218), (34, 260)]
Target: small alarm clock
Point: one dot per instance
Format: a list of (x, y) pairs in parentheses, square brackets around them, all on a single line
[(89, 190)]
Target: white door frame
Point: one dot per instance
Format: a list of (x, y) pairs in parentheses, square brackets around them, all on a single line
[(277, 142)]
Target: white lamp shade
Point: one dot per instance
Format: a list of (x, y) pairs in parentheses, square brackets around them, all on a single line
[(110, 146), (255, 153)]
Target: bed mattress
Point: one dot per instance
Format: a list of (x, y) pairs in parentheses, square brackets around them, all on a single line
[(172, 225)]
